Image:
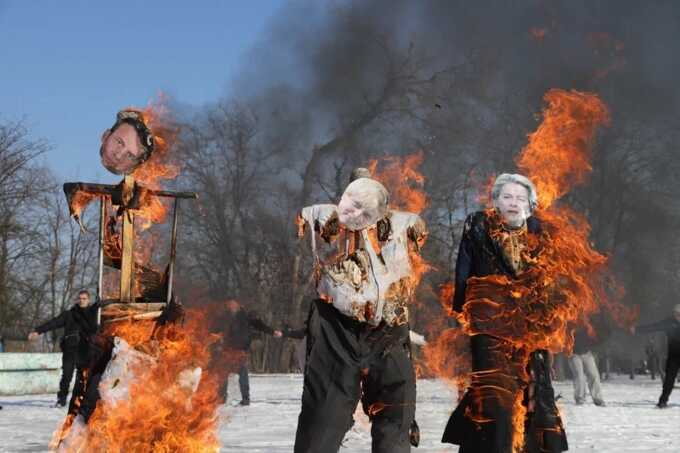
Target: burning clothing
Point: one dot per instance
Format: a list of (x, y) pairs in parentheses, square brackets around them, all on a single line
[(370, 279), (113, 386), (348, 361), (358, 335), (508, 377)]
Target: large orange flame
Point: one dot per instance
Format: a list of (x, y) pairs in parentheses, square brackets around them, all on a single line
[(558, 154), (160, 414), (162, 165), (403, 179)]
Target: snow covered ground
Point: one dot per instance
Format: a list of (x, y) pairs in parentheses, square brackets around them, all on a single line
[(629, 423)]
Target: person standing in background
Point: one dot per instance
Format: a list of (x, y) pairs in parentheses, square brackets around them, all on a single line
[(584, 368), (78, 323)]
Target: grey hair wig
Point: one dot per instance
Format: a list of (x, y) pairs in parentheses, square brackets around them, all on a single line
[(523, 181)]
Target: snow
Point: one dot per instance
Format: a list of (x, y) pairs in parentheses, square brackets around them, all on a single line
[(629, 423)]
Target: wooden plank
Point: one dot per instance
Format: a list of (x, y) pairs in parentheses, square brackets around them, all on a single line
[(127, 266), (135, 317), (136, 306)]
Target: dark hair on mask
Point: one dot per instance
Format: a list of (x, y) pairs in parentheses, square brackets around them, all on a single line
[(135, 119)]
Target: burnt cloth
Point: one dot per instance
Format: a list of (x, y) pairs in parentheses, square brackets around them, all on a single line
[(348, 360), (482, 422)]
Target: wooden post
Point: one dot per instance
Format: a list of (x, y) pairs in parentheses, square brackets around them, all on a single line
[(173, 250), (127, 265), (100, 273)]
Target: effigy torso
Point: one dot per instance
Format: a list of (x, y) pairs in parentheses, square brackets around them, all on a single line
[(368, 276)]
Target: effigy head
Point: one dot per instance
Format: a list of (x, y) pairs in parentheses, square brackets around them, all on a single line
[(127, 144), (363, 203), (515, 198)]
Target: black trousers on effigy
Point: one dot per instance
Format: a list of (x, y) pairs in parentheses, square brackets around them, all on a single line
[(349, 361), (483, 420)]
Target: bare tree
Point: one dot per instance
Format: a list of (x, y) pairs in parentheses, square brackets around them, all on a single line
[(44, 257), (21, 183)]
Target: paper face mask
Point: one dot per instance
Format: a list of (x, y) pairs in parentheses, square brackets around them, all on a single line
[(127, 144), (363, 203)]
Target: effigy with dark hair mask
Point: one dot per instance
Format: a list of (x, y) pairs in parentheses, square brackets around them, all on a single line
[(138, 318)]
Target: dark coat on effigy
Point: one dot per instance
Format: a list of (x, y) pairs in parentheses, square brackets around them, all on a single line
[(502, 374)]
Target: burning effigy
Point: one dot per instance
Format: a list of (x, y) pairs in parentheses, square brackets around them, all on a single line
[(358, 332), (142, 386), (526, 276)]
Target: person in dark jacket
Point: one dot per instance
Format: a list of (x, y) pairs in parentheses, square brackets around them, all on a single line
[(671, 327), (496, 246), (236, 325), (79, 323)]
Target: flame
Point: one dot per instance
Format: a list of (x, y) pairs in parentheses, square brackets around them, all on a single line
[(160, 415), (557, 158), (400, 175), (558, 154), (161, 166), (448, 356), (446, 291), (405, 183), (79, 202)]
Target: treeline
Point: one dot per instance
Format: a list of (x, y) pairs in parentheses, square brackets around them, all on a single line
[(44, 259), (331, 87)]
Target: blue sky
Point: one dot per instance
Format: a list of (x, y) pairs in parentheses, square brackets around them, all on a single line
[(67, 67)]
